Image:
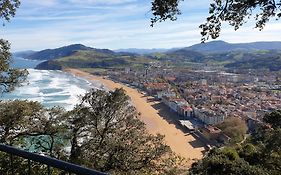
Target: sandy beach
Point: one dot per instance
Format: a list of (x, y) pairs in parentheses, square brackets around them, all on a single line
[(156, 117)]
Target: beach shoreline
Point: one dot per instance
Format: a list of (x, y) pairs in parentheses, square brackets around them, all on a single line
[(155, 116)]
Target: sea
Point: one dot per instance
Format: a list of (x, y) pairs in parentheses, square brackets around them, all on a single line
[(49, 87)]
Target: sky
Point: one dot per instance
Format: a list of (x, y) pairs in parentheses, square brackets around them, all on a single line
[(116, 24)]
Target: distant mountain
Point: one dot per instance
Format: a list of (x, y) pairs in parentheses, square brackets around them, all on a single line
[(233, 59), (23, 54), (221, 46), (95, 58), (258, 55), (142, 51), (50, 54), (256, 60)]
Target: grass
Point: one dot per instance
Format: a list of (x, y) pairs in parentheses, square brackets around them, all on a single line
[(94, 70)]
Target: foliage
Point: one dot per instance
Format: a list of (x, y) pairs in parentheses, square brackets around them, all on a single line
[(217, 162), (14, 117), (103, 132), (108, 136), (29, 125), (9, 77), (274, 119), (8, 9), (259, 154), (165, 9), (235, 12), (235, 128), (21, 166)]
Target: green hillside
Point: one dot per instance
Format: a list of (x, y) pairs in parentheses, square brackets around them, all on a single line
[(255, 59), (51, 54), (79, 56), (97, 59)]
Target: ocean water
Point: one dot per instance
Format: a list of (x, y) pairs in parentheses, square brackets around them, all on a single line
[(51, 88)]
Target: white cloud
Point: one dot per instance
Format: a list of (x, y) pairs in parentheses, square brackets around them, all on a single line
[(105, 2), (115, 24), (36, 3)]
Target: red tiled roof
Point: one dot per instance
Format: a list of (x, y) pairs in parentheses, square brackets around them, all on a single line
[(186, 108)]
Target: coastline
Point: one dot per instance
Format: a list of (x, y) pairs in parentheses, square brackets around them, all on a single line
[(155, 118)]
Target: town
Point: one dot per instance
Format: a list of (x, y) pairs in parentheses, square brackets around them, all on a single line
[(202, 99)]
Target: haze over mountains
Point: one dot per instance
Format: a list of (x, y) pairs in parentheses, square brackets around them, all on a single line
[(257, 55), (213, 46), (146, 51), (221, 46)]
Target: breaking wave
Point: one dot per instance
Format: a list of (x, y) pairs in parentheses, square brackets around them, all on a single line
[(52, 88)]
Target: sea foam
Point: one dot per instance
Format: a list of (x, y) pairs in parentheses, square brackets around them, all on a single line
[(52, 88)]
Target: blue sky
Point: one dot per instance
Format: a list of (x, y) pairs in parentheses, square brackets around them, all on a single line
[(115, 24)]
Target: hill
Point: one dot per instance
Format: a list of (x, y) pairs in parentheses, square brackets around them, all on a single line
[(142, 51), (240, 59), (95, 58), (258, 55), (221, 46), (50, 54), (270, 60)]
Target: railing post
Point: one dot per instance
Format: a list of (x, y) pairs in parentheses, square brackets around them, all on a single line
[(49, 170)]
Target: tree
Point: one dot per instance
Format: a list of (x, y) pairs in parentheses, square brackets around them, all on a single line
[(8, 9), (274, 119), (15, 118), (259, 154), (9, 77), (220, 162), (31, 127), (47, 133), (108, 136), (103, 131), (235, 128), (235, 12)]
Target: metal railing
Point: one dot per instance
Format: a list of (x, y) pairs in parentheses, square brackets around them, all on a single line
[(45, 160)]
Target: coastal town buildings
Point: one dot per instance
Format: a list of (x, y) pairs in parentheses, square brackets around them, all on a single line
[(208, 96)]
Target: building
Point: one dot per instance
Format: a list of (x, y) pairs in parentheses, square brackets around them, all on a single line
[(178, 105), (186, 111), (160, 94), (209, 117), (153, 88)]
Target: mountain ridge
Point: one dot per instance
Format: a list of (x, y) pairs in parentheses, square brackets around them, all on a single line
[(212, 46), (222, 46), (267, 54), (50, 54)]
